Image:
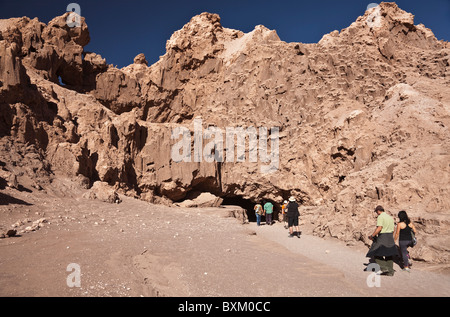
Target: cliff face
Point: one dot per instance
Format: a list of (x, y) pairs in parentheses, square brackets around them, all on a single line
[(362, 118)]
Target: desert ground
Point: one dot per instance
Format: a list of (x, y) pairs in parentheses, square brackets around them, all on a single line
[(135, 249)]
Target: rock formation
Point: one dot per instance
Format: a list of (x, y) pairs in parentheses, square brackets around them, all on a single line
[(363, 118)]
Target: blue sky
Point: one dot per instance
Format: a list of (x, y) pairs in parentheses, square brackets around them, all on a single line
[(122, 29)]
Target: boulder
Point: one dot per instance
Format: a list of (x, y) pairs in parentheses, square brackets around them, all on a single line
[(201, 200), (103, 192), (11, 233)]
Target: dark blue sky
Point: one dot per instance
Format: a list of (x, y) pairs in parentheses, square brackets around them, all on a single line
[(122, 29)]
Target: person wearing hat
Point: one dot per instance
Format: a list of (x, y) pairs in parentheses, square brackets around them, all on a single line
[(383, 248), (292, 217)]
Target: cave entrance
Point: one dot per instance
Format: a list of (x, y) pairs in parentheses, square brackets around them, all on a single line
[(249, 205)]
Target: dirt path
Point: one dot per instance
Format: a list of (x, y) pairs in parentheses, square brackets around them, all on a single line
[(351, 262), (139, 249)]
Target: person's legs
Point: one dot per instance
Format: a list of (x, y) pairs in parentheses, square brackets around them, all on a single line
[(381, 263), (296, 227), (386, 264), (405, 255), (404, 252), (258, 219), (409, 259), (389, 265), (291, 226), (269, 219)]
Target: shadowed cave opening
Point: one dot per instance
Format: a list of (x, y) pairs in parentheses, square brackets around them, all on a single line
[(211, 185), (249, 205)]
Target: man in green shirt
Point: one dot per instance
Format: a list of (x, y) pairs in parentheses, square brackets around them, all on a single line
[(385, 222), (268, 208), (383, 248)]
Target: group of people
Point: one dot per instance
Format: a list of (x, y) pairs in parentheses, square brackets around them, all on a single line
[(267, 211), (384, 249), (289, 211)]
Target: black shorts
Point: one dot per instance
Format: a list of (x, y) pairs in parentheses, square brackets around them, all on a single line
[(292, 221)]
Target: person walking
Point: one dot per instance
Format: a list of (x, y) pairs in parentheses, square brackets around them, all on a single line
[(268, 209), (383, 248), (403, 234), (283, 213), (258, 212), (292, 215)]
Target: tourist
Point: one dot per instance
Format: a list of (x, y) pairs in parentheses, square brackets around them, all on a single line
[(258, 212), (292, 217), (268, 209), (283, 213), (383, 248), (403, 234)]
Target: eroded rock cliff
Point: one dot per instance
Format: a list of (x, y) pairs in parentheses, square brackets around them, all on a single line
[(363, 118)]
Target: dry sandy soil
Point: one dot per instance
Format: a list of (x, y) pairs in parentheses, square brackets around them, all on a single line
[(138, 249)]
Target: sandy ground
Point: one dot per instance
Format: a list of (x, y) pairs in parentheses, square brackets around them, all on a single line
[(138, 249)]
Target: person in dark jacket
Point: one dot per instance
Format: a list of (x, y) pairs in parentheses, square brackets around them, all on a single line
[(292, 215), (383, 248)]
